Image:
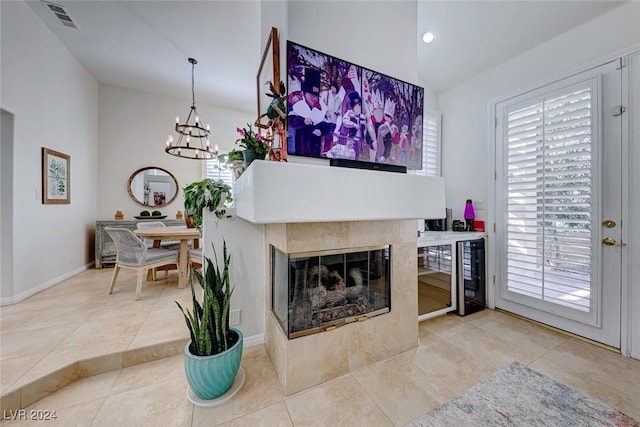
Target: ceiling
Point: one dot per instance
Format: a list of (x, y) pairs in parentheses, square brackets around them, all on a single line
[(144, 45), (474, 36)]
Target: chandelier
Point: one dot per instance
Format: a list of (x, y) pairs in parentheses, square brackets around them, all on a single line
[(193, 136)]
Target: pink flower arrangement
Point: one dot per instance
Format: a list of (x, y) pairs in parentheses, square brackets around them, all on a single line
[(250, 140)]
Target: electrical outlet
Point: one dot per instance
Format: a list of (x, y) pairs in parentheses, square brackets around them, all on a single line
[(478, 204), (234, 318)]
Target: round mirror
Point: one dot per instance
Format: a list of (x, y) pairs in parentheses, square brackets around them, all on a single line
[(153, 186)]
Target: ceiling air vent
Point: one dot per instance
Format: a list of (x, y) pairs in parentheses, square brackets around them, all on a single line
[(61, 15)]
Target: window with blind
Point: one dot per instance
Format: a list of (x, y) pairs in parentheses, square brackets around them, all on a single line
[(548, 194), (216, 170), (431, 144)]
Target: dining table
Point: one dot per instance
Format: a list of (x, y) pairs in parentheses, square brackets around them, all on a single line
[(181, 233)]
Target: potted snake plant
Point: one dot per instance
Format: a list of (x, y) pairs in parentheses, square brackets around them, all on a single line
[(206, 194), (213, 354)]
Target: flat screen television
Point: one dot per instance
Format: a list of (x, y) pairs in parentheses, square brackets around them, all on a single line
[(339, 110)]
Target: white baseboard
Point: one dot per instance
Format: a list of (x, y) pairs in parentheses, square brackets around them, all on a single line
[(253, 340), (46, 285)]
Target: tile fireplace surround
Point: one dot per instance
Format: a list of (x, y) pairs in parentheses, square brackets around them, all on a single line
[(302, 208), (307, 361)]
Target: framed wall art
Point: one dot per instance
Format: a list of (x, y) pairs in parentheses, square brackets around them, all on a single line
[(272, 96), (56, 177), (269, 71)]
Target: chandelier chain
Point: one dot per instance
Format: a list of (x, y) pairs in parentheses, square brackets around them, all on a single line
[(193, 83)]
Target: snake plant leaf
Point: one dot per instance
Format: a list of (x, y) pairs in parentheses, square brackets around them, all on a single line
[(189, 321), (218, 329)]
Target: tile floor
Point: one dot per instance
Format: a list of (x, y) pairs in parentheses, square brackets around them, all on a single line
[(77, 319)]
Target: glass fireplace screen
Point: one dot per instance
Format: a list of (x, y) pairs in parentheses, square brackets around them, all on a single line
[(317, 291)]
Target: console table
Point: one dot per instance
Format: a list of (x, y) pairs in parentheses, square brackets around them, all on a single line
[(105, 249)]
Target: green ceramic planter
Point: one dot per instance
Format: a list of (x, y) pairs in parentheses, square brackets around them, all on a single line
[(249, 156), (211, 376)]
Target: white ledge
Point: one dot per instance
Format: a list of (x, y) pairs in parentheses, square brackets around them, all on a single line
[(277, 192)]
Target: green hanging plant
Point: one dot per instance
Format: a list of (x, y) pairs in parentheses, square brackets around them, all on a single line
[(206, 194)]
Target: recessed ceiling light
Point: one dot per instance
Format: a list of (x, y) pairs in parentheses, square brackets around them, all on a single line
[(427, 38)]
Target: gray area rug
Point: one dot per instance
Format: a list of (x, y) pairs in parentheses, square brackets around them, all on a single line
[(520, 396)]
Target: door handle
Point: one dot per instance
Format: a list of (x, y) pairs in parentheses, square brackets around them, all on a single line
[(608, 241)]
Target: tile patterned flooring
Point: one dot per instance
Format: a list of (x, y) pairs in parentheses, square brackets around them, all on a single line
[(76, 319)]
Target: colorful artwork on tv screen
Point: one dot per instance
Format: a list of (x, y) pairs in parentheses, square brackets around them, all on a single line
[(339, 110)]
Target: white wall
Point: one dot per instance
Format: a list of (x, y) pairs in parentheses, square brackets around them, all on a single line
[(465, 109), (6, 203), (54, 101), (133, 127), (380, 36), (385, 41), (467, 149), (274, 13), (245, 242), (390, 47), (430, 96)]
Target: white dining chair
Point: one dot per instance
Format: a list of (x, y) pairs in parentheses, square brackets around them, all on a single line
[(132, 253), (166, 244)]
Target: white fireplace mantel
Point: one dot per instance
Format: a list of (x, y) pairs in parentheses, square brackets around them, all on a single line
[(277, 192)]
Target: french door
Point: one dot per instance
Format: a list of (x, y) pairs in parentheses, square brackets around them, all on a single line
[(559, 204)]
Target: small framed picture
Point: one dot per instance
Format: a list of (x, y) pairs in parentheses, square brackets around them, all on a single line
[(56, 177)]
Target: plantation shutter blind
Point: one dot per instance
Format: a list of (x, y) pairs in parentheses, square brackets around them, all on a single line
[(214, 171), (431, 144), (549, 197)]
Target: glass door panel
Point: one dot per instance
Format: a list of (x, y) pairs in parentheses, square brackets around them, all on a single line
[(436, 292)]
